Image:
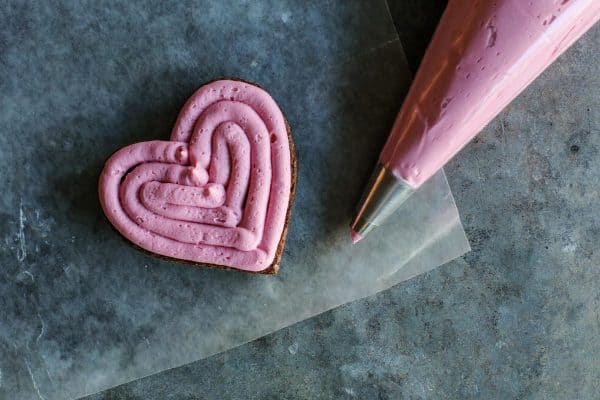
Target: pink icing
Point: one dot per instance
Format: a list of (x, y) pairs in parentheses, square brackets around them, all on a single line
[(483, 54), (216, 193), (355, 236)]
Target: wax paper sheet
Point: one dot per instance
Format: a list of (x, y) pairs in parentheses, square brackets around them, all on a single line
[(81, 310)]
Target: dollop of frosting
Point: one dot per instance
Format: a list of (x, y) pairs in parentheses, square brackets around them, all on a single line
[(217, 192)]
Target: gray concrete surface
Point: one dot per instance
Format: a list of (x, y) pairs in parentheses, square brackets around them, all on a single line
[(82, 311), (517, 318)]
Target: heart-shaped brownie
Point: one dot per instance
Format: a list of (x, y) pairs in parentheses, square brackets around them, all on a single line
[(219, 192)]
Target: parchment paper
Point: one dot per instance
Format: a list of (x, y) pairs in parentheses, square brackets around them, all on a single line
[(80, 310)]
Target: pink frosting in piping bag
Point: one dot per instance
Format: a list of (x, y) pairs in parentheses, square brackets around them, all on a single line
[(482, 55), (217, 192)]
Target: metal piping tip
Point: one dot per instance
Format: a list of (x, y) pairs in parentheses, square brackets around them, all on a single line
[(384, 194)]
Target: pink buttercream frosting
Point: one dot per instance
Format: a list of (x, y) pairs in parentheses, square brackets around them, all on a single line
[(218, 192), (355, 236), (482, 55)]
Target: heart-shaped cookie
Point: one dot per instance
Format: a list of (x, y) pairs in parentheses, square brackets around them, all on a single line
[(219, 192)]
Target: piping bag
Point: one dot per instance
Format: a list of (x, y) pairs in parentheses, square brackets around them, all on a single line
[(482, 55)]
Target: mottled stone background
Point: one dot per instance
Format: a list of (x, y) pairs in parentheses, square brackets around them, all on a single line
[(517, 318), (81, 310)]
